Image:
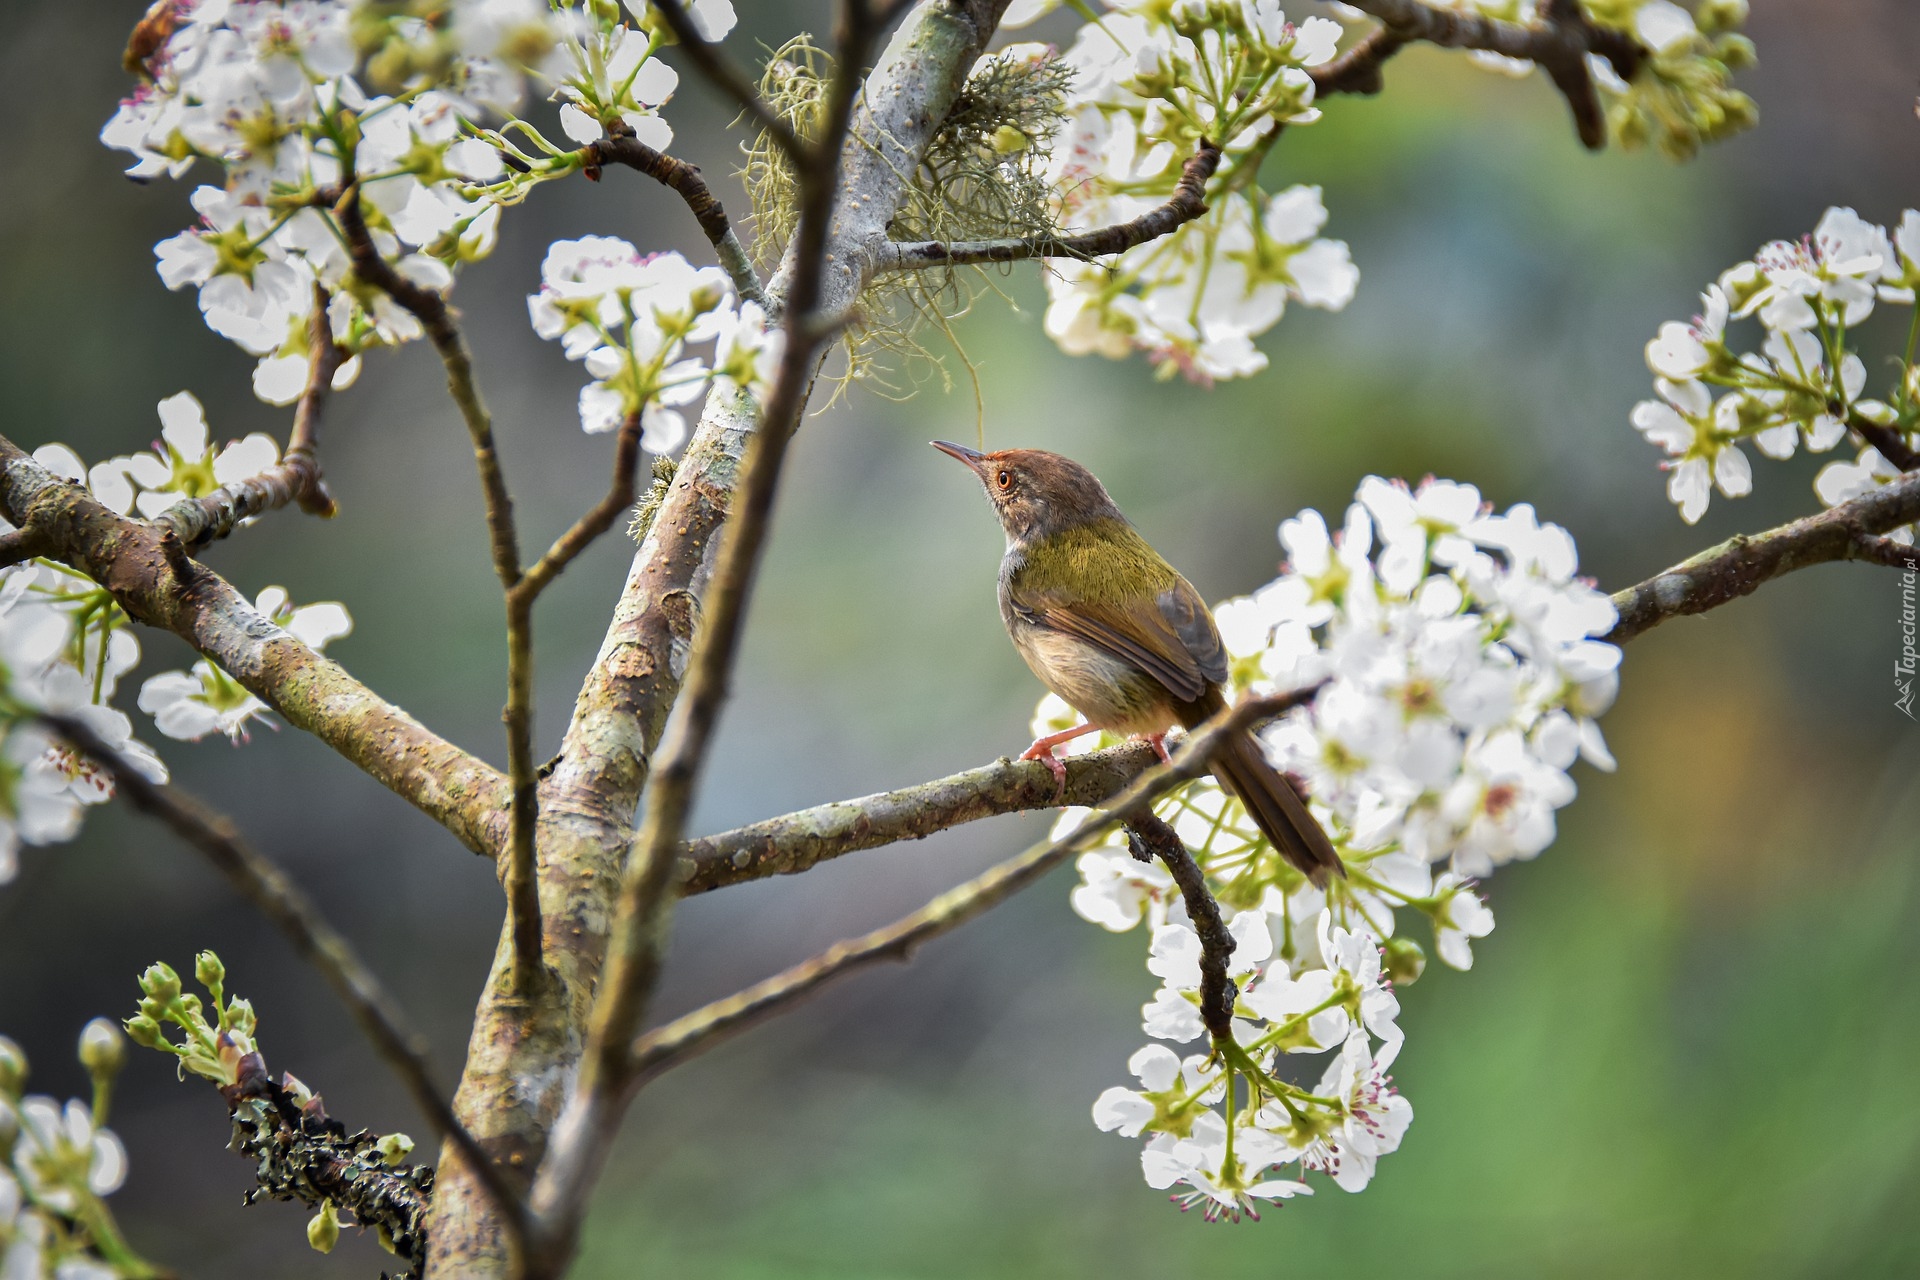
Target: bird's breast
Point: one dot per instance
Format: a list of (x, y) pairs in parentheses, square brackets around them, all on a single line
[(1106, 689)]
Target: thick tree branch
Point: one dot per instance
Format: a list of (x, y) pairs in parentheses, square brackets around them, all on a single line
[(150, 575), (1187, 203), (696, 1032), (1560, 44), (727, 78), (295, 478), (685, 180), (799, 841), (261, 881), (1739, 565), (518, 874)]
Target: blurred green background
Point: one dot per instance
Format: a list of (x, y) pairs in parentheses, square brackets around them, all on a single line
[(1687, 1050)]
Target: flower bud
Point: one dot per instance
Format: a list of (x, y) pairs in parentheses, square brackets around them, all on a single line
[(394, 1148), (208, 970), (13, 1067), (1714, 16), (160, 982), (706, 297), (145, 1032), (323, 1232), (240, 1018), (1403, 960), (103, 1050)]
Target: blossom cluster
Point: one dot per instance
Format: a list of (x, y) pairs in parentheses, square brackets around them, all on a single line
[(629, 317), (1462, 680), (57, 1164), (1805, 384), (65, 646), (1681, 94), (301, 103), (1152, 82)]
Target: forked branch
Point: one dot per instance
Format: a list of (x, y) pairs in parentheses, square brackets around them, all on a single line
[(295, 478), (1560, 43)]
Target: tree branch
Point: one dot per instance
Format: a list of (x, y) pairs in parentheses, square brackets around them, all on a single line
[(1739, 565), (1560, 44), (1891, 444), (1150, 836), (1187, 203), (800, 841), (519, 877), (728, 79), (150, 576), (685, 180), (696, 1032), (273, 893), (295, 478), (21, 545)]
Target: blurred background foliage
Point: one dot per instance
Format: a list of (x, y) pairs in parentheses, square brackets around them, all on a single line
[(1688, 1048)]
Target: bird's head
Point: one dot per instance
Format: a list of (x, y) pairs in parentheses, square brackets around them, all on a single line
[(1035, 493)]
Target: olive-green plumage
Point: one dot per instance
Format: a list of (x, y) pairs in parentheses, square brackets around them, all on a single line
[(1112, 628)]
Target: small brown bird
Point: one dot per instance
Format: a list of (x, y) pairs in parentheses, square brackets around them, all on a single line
[(1120, 635)]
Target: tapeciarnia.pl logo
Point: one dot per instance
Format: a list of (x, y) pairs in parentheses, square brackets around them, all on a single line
[(1904, 666)]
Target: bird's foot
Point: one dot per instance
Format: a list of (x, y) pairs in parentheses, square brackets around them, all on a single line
[(1042, 751), (1158, 741)]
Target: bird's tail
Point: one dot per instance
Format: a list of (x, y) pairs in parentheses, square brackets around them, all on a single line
[(1274, 806)]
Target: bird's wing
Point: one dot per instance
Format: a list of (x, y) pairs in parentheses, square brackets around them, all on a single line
[(1187, 614), (1171, 638)]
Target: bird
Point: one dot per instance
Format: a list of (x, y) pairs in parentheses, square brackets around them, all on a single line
[(1116, 632)]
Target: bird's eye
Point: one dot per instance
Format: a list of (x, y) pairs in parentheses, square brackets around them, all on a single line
[(1004, 479)]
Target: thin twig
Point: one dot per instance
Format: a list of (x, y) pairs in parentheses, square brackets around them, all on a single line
[(521, 878), (1151, 835), (685, 180), (263, 883), (1739, 565), (296, 478), (1187, 203), (729, 79), (704, 1028), (1358, 69)]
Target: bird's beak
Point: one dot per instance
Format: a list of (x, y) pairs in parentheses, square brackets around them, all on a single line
[(972, 457)]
